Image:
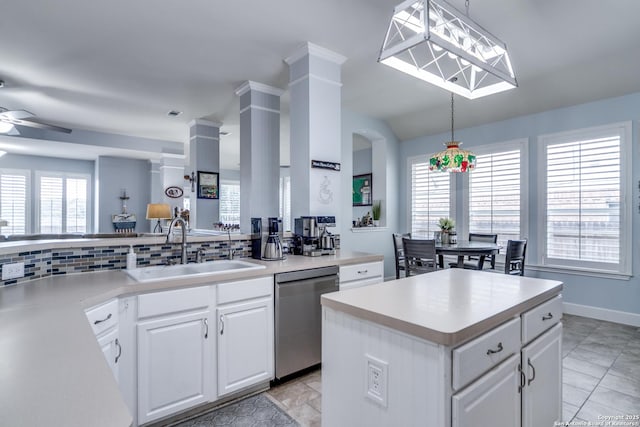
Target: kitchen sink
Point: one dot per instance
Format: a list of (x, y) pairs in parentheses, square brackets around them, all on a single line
[(211, 268)]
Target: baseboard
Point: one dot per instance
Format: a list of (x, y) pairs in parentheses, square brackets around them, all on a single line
[(632, 319)]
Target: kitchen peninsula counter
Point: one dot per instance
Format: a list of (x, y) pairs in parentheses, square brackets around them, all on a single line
[(52, 371)]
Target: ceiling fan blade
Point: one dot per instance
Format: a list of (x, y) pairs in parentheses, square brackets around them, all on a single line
[(39, 125), (17, 114)]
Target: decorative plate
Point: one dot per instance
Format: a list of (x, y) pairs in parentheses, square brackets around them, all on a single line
[(174, 192)]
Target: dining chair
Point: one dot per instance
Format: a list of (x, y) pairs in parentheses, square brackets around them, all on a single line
[(514, 259), (399, 251), (419, 256), (476, 265)]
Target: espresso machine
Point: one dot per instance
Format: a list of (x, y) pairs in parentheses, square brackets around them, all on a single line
[(266, 246), (312, 237)]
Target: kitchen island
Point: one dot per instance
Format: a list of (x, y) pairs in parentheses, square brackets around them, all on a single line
[(450, 348)]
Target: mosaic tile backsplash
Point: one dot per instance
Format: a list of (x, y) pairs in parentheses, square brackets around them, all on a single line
[(44, 263)]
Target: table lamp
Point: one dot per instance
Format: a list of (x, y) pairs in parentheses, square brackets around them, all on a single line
[(158, 211)]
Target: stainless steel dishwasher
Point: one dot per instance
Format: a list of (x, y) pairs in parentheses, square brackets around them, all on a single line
[(298, 320)]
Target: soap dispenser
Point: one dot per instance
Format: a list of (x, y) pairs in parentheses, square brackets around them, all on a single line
[(132, 260)]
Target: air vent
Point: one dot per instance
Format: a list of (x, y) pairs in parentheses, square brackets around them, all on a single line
[(174, 113)]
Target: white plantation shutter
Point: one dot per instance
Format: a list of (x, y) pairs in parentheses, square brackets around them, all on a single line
[(13, 201), (583, 200), (586, 222), (50, 204), (494, 195), (230, 202), (63, 203), (285, 202), (430, 198), (76, 205)]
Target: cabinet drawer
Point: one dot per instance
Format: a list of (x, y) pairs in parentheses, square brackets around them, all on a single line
[(245, 289), (485, 352), (103, 317), (361, 271), (539, 319), (167, 302)]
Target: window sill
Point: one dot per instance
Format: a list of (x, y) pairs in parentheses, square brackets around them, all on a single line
[(578, 272), (368, 229)]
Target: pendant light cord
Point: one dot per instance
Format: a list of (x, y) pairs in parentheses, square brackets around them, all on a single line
[(452, 117), (466, 6)]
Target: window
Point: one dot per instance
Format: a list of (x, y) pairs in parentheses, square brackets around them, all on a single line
[(230, 202), (430, 197), (496, 191), (285, 202), (63, 201), (586, 223), (14, 200)]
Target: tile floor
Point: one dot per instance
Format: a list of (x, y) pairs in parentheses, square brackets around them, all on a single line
[(601, 375)]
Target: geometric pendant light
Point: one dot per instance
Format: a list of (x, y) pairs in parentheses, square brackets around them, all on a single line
[(435, 42)]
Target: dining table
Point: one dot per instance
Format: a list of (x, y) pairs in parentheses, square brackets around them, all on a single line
[(463, 249)]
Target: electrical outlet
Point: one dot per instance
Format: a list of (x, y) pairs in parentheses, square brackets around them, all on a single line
[(376, 379), (12, 271)]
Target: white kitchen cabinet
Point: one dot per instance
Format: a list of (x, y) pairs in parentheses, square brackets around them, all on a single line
[(103, 319), (357, 275), (245, 334), (175, 350), (542, 394), (493, 400)]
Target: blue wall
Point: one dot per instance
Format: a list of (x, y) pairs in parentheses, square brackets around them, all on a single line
[(611, 294), (379, 240)]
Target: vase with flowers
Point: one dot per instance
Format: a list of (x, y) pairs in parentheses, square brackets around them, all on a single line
[(446, 226)]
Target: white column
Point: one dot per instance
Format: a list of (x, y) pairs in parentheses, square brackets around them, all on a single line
[(204, 156), (259, 151), (315, 113)]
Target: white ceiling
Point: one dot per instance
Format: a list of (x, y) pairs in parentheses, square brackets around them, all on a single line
[(119, 66)]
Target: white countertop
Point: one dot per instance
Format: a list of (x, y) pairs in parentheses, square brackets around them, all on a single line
[(447, 306), (52, 371)]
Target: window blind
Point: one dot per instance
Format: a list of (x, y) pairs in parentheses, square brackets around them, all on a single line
[(76, 200), (583, 200), (494, 195), (50, 204), (285, 202), (230, 202), (430, 199), (13, 202)]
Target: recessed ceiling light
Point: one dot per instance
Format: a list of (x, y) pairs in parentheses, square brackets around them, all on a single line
[(1, 83), (174, 113)]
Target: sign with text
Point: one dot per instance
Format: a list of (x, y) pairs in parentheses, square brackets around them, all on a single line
[(325, 165)]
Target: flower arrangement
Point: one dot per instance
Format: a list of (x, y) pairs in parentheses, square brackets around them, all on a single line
[(446, 224)]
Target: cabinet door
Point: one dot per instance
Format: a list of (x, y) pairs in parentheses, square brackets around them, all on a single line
[(493, 400), (111, 349), (542, 395), (245, 344), (174, 364)]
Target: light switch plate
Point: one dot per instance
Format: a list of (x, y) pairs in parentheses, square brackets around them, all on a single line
[(13, 271)]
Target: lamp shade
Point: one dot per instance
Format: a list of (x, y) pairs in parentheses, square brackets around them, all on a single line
[(158, 211), (452, 159)]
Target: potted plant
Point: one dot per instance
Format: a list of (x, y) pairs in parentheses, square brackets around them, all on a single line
[(376, 209), (446, 225)]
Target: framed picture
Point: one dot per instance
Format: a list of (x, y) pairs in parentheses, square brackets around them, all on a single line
[(208, 187), (362, 190)]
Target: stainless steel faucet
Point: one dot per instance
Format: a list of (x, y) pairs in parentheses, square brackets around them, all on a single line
[(183, 244), (231, 251)]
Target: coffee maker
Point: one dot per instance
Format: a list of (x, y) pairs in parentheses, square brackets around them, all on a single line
[(312, 237), (266, 246)]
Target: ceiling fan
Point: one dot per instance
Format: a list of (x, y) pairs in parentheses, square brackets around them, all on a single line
[(24, 118)]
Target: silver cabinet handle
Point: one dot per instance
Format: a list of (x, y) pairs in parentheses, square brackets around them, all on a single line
[(492, 351), (523, 378), (363, 271), (221, 324), (533, 373), (119, 350), (547, 316), (97, 322), (206, 325)]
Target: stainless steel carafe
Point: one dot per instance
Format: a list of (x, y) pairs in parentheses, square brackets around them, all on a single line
[(273, 248)]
